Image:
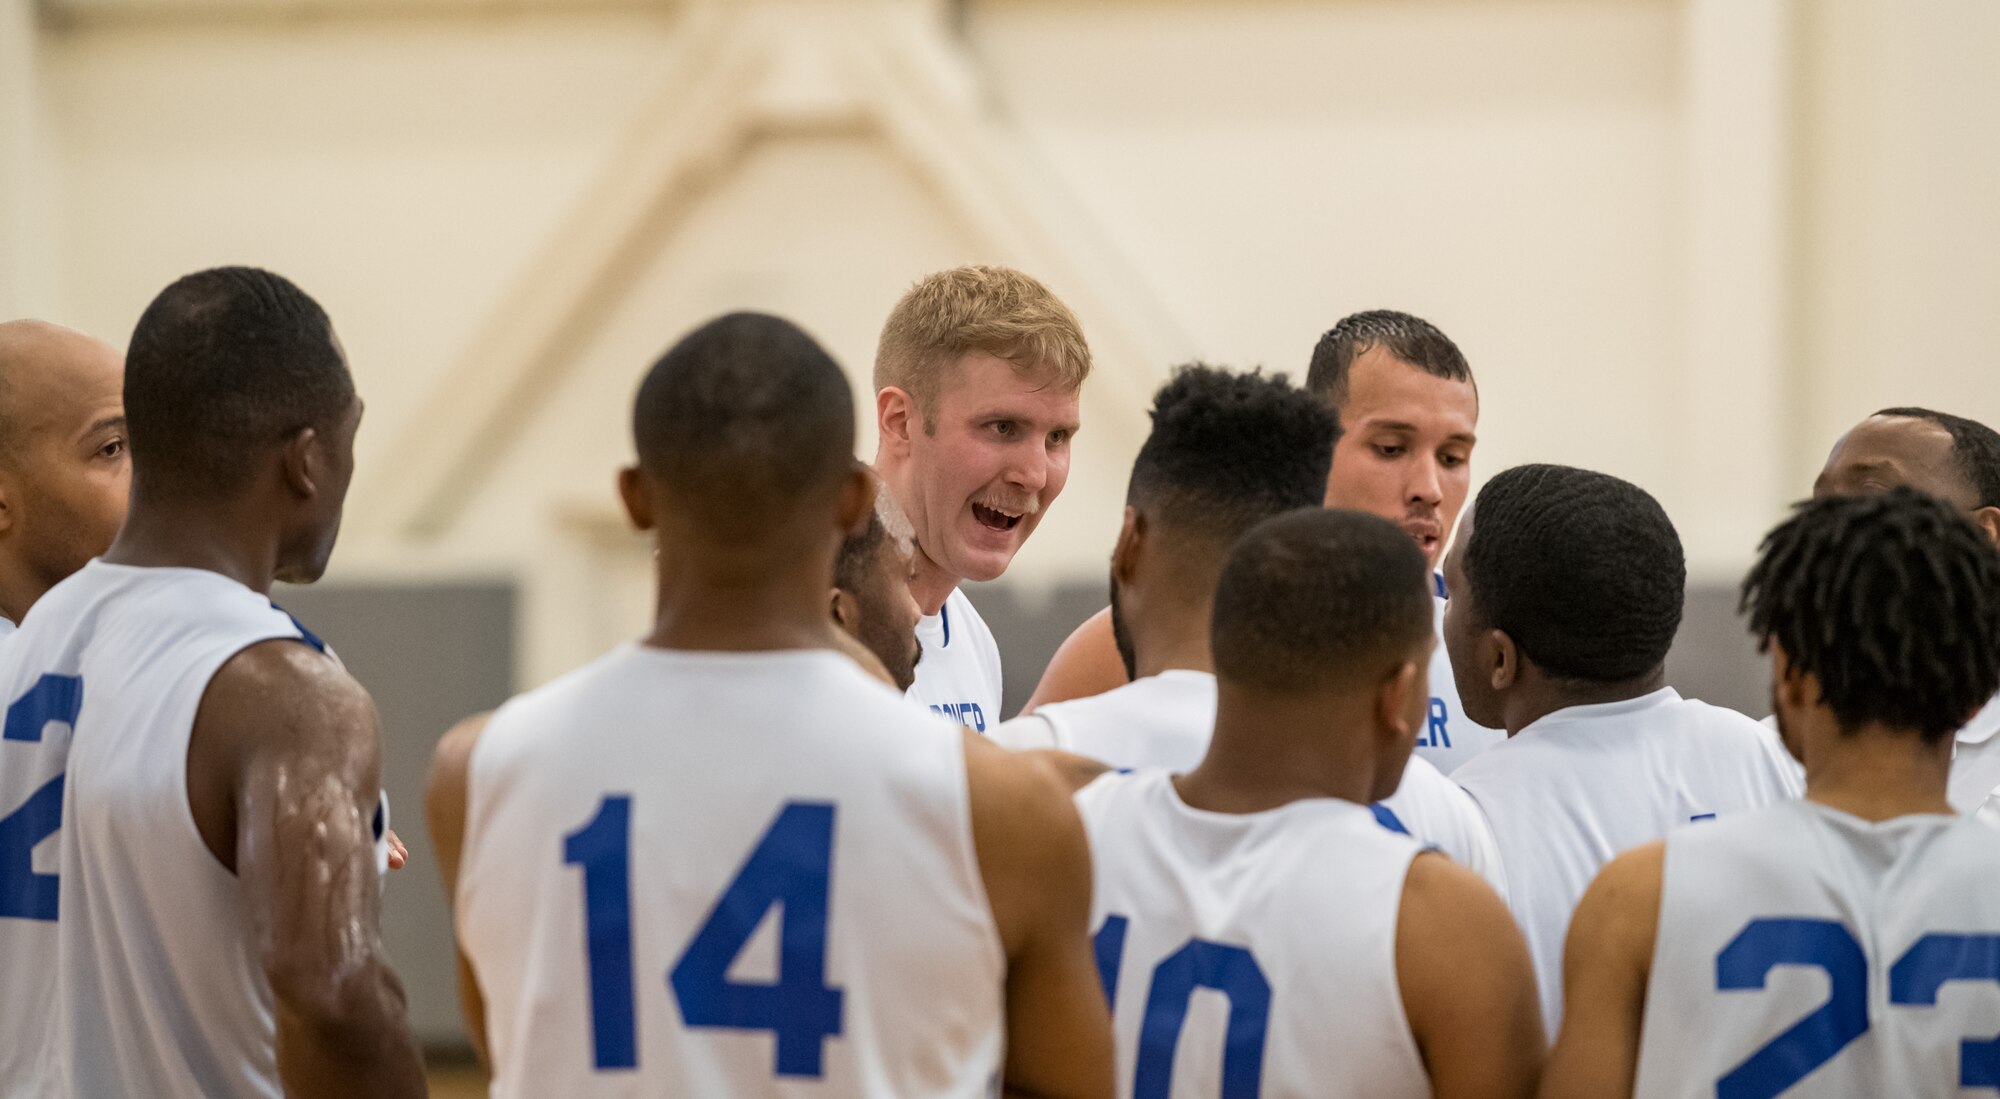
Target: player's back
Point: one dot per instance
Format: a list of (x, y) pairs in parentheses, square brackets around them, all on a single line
[(724, 874), (1586, 783), (1250, 954), (1805, 952), (157, 987)]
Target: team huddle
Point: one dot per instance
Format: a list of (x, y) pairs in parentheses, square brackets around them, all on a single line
[(1356, 788)]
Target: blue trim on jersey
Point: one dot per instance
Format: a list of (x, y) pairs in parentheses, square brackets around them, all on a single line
[(305, 635), (1386, 816), (944, 615), (1437, 584)]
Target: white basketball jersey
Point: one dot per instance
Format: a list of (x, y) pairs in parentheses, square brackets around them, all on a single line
[(1975, 760), (6, 628), (1808, 953), (1249, 954), (1166, 720), (727, 874), (1586, 783), (958, 674), (1450, 738), (136, 964)]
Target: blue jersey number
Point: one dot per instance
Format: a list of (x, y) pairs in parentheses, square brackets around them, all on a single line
[(791, 866), (1914, 980), (1227, 969), (24, 894)]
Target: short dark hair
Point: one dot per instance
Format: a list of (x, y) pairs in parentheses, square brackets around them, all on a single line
[(222, 361), (1892, 602), (1975, 448), (857, 552), (1583, 570), (745, 416), (1412, 339), (1307, 596), (1230, 449)]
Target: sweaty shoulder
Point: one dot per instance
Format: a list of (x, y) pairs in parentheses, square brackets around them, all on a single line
[(1087, 664), (1026, 831)]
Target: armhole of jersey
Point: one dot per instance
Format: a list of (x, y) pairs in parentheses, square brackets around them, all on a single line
[(1403, 1028), (969, 857), (180, 776)]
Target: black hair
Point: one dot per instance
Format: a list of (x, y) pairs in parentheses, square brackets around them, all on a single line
[(1230, 449), (1412, 339), (1307, 597), (1583, 570), (745, 417), (857, 553), (1975, 448), (222, 362), (1892, 602)]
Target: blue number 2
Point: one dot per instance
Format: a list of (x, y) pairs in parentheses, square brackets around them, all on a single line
[(1811, 1042), (792, 866), (24, 894)]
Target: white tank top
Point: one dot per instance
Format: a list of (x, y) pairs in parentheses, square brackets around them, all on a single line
[(1166, 721), (1882, 938), (1582, 785), (146, 982), (643, 834), (1449, 738), (958, 669), (1249, 954)]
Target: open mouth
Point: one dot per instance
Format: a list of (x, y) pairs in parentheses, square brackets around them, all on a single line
[(994, 518)]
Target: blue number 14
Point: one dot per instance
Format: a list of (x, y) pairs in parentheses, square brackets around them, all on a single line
[(791, 865)]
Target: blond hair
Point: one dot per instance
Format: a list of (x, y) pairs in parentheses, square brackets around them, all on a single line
[(997, 310)]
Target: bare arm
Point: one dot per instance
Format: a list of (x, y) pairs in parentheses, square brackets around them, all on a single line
[(284, 773), (444, 808), (1468, 985), (1036, 865), (1086, 664), (1606, 964)]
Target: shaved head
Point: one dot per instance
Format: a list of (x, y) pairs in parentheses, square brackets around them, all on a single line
[(64, 469)]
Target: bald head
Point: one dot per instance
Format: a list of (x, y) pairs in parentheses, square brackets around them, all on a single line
[(64, 470)]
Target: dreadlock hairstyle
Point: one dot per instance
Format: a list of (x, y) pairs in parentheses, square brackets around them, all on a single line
[(1891, 602), (1975, 449), (1414, 340)]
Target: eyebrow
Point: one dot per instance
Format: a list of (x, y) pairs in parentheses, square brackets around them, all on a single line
[(105, 424), (1401, 425)]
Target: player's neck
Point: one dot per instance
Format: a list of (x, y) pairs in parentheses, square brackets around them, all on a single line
[(1268, 752), (213, 537), (19, 588), (1537, 695), (1173, 637), (737, 610), (930, 584), (1876, 773)]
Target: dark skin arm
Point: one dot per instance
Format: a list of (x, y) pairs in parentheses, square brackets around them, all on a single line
[(1607, 963), (1468, 985), (284, 771), (444, 807), (1035, 862)]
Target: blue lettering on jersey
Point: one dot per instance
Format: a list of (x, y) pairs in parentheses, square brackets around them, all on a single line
[(967, 714), (1436, 735)]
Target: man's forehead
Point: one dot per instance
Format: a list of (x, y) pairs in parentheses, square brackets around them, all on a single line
[(1383, 388), (52, 377), (982, 379), (1903, 448)]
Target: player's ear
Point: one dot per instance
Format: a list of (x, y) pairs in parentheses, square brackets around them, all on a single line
[(1505, 667), (846, 611), (1791, 689), (895, 413), (632, 491), (1988, 520), (300, 461), (1125, 552), (1402, 700), (857, 500)]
